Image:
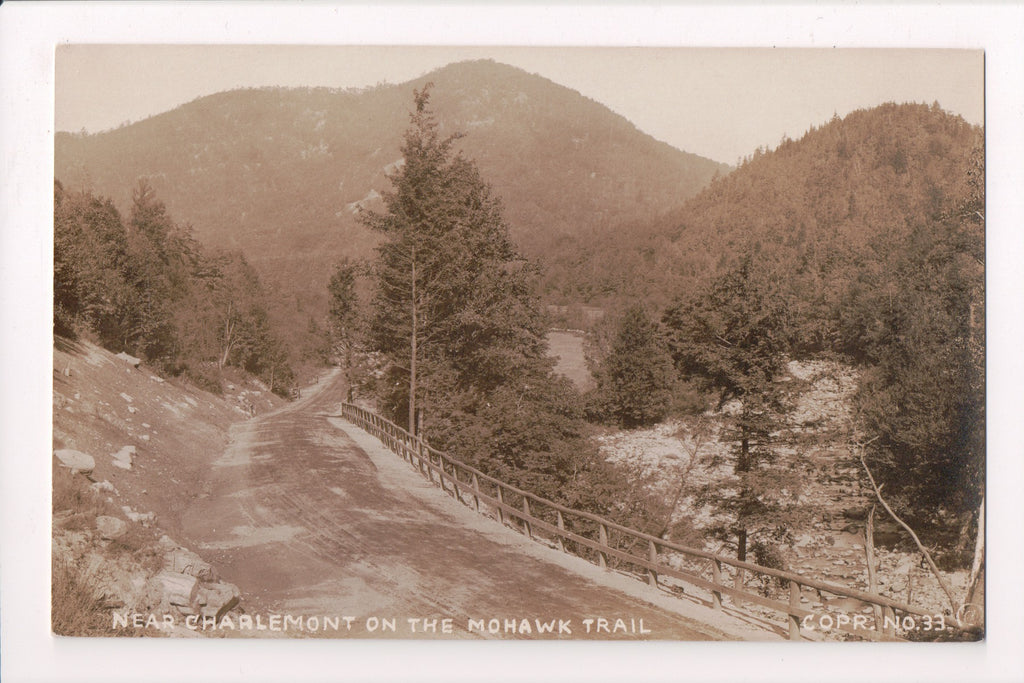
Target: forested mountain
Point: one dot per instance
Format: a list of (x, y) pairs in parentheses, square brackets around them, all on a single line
[(281, 173), (864, 240), (851, 184)]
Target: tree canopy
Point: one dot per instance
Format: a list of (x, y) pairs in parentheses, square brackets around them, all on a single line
[(457, 319), (146, 287)]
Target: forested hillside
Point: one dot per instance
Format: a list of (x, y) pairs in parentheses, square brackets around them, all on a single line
[(281, 174), (863, 241), (849, 185), (145, 286)]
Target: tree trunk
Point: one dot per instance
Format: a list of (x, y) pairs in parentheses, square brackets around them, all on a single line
[(869, 551), (741, 555), (412, 360), (228, 343), (924, 551), (975, 602)]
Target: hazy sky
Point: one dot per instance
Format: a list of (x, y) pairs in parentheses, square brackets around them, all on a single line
[(719, 103)]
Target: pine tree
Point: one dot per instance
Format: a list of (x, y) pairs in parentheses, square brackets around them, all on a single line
[(734, 337), (454, 309), (344, 318), (923, 400), (635, 380)]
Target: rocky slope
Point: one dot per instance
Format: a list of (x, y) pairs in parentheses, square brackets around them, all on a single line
[(831, 547), (130, 452)]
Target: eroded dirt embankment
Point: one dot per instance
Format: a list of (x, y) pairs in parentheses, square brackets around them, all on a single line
[(139, 447)]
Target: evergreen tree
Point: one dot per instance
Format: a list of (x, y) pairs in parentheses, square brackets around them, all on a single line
[(344, 318), (924, 395), (458, 321), (454, 309), (90, 255), (635, 380), (734, 337), (150, 289)]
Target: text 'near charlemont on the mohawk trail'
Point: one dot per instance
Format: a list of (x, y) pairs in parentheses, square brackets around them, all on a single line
[(485, 350)]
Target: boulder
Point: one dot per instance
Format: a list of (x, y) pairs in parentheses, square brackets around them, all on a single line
[(111, 528), (130, 360), (857, 514), (75, 460), (217, 599), (179, 589), (187, 562)]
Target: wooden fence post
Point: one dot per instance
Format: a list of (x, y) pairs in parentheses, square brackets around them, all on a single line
[(476, 492), (526, 518), (440, 475), (716, 578), (602, 535), (561, 527), (652, 555), (888, 620), (794, 605), (501, 501), (455, 482)]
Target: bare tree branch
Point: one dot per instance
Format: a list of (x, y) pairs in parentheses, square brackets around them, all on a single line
[(924, 551)]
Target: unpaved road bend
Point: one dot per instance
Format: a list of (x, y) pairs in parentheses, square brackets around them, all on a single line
[(311, 517)]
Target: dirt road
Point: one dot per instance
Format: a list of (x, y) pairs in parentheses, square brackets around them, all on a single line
[(310, 517)]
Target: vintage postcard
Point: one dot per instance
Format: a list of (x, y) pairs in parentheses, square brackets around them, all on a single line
[(507, 343), (669, 344)]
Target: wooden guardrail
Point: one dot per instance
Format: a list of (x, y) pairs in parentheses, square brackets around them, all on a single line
[(616, 546)]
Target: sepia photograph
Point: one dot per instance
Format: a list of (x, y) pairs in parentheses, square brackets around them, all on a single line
[(472, 355), (497, 342)]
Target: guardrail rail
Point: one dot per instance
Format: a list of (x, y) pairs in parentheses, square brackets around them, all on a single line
[(618, 547)]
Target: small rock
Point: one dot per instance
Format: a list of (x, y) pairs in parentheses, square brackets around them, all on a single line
[(156, 379), (111, 528), (126, 397), (132, 409), (145, 425), (123, 458), (103, 486), (138, 517), (144, 437), (76, 460)]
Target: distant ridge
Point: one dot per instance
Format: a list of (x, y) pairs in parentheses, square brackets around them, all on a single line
[(280, 173)]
